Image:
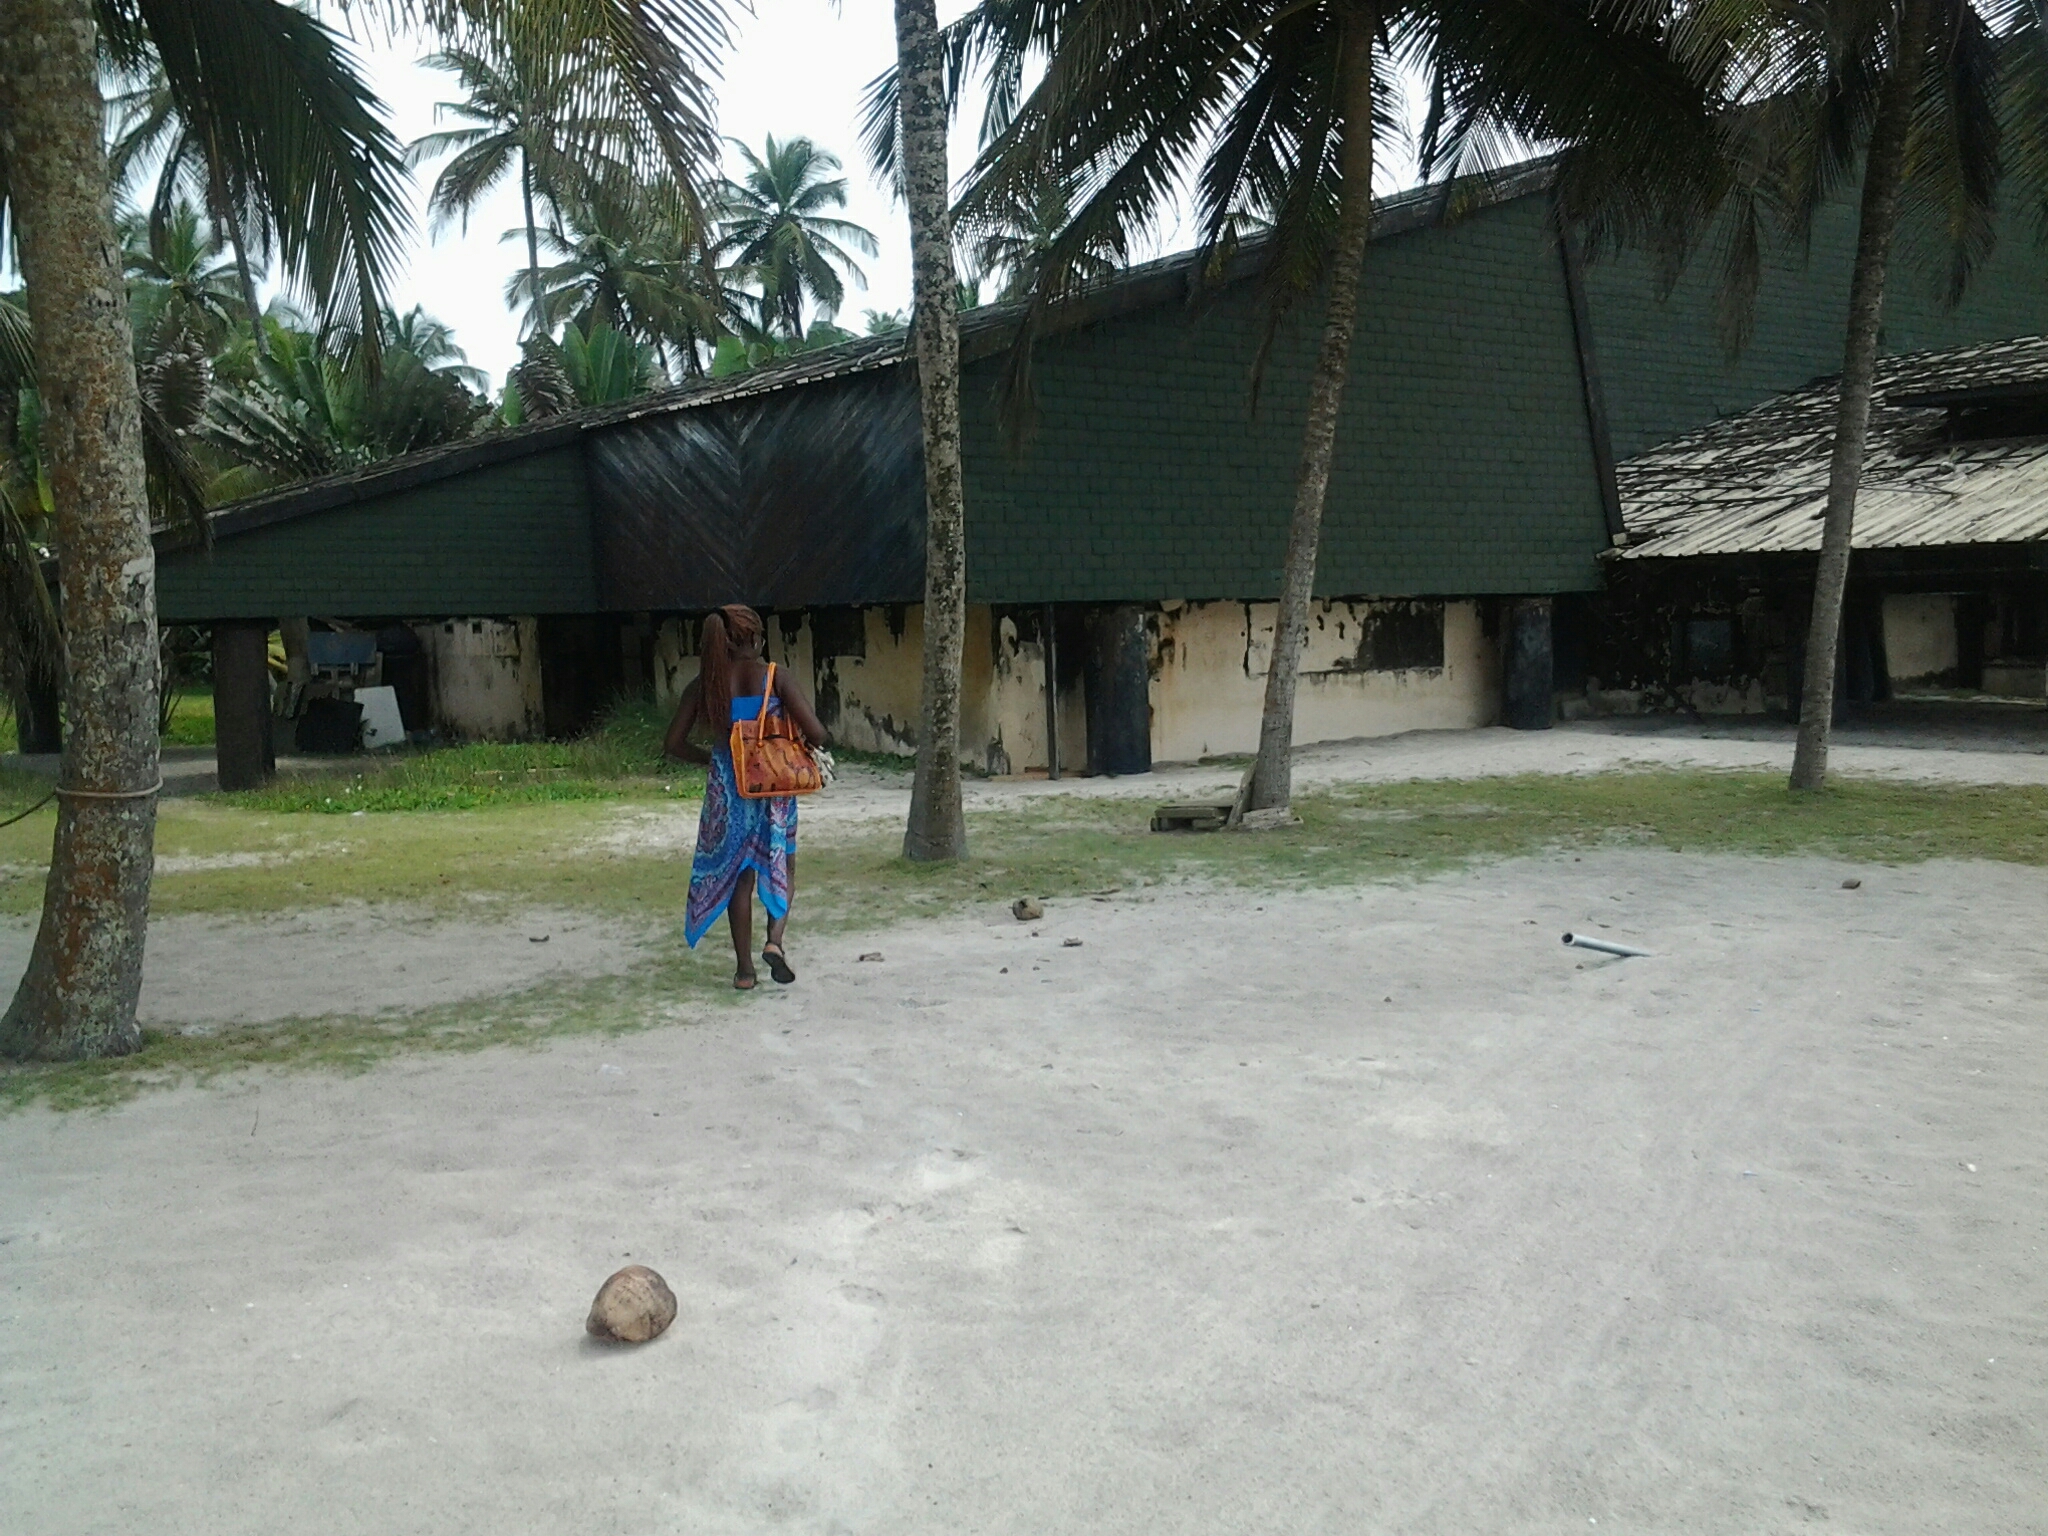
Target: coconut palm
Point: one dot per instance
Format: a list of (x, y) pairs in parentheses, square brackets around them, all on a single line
[(432, 342), (1017, 236), (259, 112), (287, 133), (627, 261), (1921, 108), (1913, 91), (314, 411), (517, 113), (179, 279), (936, 830), (774, 225)]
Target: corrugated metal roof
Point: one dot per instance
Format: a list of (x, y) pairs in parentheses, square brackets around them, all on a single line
[(1756, 483)]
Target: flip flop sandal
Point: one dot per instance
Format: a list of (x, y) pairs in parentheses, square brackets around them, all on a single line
[(745, 983), (778, 966)]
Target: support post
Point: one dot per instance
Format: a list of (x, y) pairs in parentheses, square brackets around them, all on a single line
[(1118, 679), (1528, 672), (1052, 693), (244, 754)]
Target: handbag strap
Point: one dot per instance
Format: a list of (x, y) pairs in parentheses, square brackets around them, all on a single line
[(767, 693)]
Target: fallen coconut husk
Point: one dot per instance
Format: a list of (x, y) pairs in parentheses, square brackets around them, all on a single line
[(632, 1307)]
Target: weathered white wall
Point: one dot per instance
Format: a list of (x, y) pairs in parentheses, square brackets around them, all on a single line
[(674, 661), (1209, 680), (1919, 636), (485, 678), (1208, 684), (877, 693), (1002, 707)]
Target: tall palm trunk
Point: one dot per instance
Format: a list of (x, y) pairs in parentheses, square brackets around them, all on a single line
[(1272, 773), (228, 222), (532, 243), (1883, 174), (937, 830), (78, 996)]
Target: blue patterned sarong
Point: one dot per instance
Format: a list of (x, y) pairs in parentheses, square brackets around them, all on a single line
[(735, 835)]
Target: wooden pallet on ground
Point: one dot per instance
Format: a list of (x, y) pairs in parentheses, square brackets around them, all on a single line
[(1198, 816)]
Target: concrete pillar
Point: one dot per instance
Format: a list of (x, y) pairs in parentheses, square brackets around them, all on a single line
[(244, 754), (1117, 674), (1527, 673)]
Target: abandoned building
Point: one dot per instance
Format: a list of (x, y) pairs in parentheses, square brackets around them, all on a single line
[(1124, 549), (1707, 602)]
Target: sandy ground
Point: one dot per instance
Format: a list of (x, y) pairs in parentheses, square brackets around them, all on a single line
[(354, 960), (1375, 1210)]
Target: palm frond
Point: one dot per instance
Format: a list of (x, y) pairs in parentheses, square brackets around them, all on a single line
[(276, 106)]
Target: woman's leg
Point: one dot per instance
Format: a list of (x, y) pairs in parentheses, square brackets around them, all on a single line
[(772, 951), (777, 925), (740, 915)]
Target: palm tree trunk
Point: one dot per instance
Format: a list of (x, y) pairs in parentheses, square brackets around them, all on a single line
[(532, 243), (937, 830), (1272, 772), (229, 222), (248, 282), (1883, 175), (77, 998)]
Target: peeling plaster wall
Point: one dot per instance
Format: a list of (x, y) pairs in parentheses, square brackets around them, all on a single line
[(1920, 637), (675, 660), (1211, 661), (485, 678), (870, 701), (1360, 677)]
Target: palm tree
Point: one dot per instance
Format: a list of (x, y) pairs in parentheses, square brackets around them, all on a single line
[(1925, 102), (628, 262), (315, 410), (286, 131), (937, 827), (77, 997), (1914, 88), (1273, 107), (774, 224), (1018, 236), (258, 111), (178, 279), (432, 342), (517, 112)]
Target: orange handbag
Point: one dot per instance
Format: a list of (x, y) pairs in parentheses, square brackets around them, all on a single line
[(769, 757)]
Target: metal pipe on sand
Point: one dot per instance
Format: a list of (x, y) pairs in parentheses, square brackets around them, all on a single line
[(1580, 941)]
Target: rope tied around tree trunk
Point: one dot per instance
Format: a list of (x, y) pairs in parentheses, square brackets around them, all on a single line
[(83, 794), (107, 794)]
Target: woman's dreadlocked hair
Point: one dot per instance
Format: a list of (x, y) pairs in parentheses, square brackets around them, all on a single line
[(732, 629)]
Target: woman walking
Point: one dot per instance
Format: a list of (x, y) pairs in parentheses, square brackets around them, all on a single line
[(742, 845)]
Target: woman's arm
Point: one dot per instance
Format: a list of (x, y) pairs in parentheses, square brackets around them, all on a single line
[(798, 708), (677, 743)]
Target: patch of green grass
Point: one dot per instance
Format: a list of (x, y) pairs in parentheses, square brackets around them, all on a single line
[(1064, 847), (619, 760), (191, 719), (223, 855)]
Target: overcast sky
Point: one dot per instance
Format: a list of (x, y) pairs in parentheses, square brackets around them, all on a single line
[(798, 67)]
